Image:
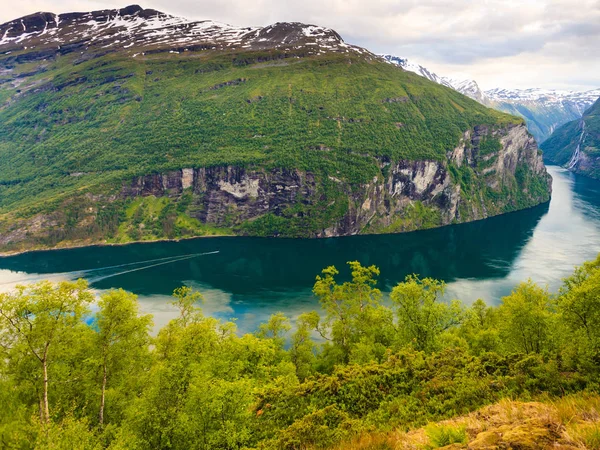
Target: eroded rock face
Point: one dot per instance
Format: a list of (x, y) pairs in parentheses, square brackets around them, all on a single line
[(229, 196), (469, 184), (519, 146), (587, 164), (220, 192)]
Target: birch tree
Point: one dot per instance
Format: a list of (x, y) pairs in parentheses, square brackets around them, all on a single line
[(122, 338), (36, 320)]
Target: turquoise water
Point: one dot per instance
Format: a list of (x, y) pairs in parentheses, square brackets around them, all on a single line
[(251, 278)]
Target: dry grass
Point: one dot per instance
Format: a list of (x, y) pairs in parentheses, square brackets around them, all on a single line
[(572, 422)]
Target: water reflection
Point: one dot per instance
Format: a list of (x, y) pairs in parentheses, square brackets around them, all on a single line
[(250, 277), (255, 265), (565, 237)]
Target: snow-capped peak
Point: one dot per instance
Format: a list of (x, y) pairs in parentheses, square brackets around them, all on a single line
[(549, 96), (470, 88), (136, 30)]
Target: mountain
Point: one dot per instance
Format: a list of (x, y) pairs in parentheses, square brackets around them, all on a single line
[(470, 88), (543, 110), (131, 124), (134, 30), (576, 145)]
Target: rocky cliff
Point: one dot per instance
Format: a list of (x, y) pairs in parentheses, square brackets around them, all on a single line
[(392, 201), (473, 184)]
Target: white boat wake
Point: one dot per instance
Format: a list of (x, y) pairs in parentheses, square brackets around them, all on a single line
[(95, 275)]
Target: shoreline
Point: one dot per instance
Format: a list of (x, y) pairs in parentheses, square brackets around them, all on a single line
[(119, 244), (109, 244)]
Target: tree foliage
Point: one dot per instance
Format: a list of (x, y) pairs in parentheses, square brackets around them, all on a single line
[(73, 378), (422, 314)]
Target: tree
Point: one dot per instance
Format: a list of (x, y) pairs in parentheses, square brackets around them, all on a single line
[(526, 318), (182, 348), (422, 315), (302, 348), (479, 328), (352, 309), (37, 319), (186, 299), (579, 304), (122, 337), (275, 330)]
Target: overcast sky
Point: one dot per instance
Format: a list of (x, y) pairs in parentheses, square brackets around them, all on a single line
[(499, 43)]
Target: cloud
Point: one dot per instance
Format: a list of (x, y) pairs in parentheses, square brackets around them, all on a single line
[(452, 35)]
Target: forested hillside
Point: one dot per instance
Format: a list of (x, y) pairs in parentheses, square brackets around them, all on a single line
[(79, 374), (127, 125)]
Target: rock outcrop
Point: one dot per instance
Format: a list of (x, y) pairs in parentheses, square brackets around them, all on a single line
[(245, 194)]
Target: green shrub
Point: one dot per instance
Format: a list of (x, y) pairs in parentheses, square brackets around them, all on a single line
[(443, 435)]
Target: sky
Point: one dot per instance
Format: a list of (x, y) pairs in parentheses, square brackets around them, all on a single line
[(552, 44)]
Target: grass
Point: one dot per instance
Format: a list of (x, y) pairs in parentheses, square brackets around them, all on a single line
[(572, 422), (586, 435)]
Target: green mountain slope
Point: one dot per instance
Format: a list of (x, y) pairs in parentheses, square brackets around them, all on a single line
[(576, 145), (290, 134), (543, 110)]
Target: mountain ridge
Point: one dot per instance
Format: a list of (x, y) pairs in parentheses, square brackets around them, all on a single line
[(544, 110), (470, 88), (142, 30)]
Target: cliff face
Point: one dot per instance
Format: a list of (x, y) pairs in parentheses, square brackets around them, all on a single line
[(491, 171), (232, 196), (220, 191)]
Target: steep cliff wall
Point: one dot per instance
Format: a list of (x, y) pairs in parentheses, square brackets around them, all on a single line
[(491, 171), (475, 183)]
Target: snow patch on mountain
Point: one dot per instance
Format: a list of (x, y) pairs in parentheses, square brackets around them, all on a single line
[(583, 99), (139, 30), (470, 88)]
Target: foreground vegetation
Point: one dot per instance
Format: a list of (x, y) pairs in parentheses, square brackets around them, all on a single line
[(570, 422), (360, 374)]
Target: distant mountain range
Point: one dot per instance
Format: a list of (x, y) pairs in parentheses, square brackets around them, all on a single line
[(470, 88), (544, 110)]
